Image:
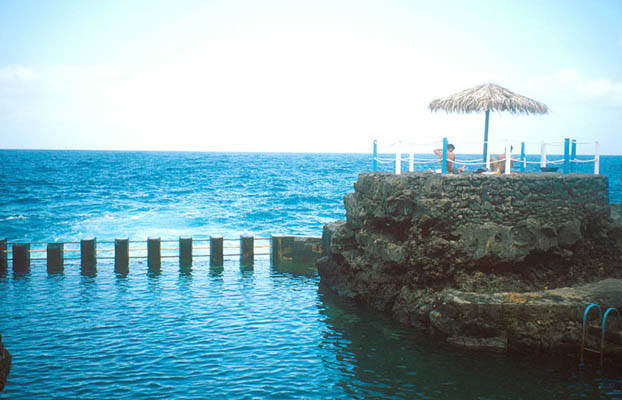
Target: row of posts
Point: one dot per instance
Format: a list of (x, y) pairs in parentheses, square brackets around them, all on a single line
[(569, 165), (570, 155), (88, 257)]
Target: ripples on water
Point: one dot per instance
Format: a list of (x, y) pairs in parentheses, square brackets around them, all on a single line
[(240, 333), (219, 333), (69, 195)]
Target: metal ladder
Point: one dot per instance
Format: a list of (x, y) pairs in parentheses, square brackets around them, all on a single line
[(603, 322)]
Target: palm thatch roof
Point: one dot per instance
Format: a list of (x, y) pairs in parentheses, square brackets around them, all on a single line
[(488, 97)]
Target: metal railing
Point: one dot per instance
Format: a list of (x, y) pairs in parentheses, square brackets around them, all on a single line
[(503, 164), (602, 320)]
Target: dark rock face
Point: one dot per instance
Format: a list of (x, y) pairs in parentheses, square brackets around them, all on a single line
[(5, 364), (430, 249)]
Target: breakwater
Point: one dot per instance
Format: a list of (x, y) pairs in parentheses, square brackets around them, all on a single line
[(507, 261), (284, 251)]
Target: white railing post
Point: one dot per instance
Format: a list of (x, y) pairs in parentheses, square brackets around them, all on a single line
[(411, 162), (596, 158), (508, 158), (398, 163), (543, 155)]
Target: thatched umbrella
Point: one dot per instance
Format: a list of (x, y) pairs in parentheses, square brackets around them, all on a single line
[(488, 97)]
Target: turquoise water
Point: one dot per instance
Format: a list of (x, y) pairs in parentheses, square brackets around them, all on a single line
[(227, 332)]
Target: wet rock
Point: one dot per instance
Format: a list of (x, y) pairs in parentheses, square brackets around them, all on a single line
[(5, 364), (457, 255)]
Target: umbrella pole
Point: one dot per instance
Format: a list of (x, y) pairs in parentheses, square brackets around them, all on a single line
[(485, 157)]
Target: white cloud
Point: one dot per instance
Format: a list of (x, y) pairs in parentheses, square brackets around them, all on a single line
[(13, 73), (278, 102), (568, 76), (585, 88), (597, 87)]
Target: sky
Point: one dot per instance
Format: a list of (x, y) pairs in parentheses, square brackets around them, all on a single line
[(304, 76)]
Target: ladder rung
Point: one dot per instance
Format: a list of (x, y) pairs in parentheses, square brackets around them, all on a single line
[(592, 350)]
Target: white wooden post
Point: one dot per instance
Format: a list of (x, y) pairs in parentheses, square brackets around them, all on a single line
[(508, 158), (398, 163), (543, 155), (411, 162), (596, 158)]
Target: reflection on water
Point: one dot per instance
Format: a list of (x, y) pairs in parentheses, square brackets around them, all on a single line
[(241, 332), (378, 358)]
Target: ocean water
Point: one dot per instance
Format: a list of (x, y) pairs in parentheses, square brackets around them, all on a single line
[(229, 332)]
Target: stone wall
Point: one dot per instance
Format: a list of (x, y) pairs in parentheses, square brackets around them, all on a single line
[(410, 238), (296, 254), (5, 364)]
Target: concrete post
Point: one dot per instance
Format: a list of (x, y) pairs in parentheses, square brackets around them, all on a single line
[(276, 250), (154, 259), (295, 252), (55, 257), (215, 251), (122, 256), (185, 252), (4, 259), (21, 258), (88, 256), (247, 247)]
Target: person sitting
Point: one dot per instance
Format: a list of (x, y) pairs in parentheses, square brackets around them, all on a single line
[(451, 156), (497, 164)]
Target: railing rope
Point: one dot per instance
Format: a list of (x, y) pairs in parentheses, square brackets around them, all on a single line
[(567, 161)]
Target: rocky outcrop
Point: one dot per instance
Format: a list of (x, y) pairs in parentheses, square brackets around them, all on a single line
[(457, 254), (5, 364)]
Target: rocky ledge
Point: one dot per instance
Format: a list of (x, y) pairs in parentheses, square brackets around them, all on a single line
[(5, 364), (505, 261)]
